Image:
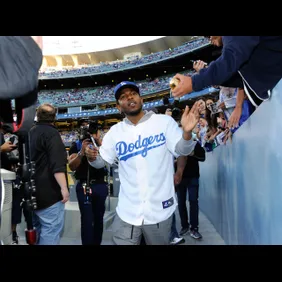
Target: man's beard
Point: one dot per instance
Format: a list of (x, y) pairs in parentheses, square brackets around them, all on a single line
[(133, 113)]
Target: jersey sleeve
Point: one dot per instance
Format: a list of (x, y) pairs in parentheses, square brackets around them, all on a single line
[(173, 135), (107, 150)]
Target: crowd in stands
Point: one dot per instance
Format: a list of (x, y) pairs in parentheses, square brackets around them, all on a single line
[(216, 124), (100, 94), (122, 64), (220, 119), (69, 137)]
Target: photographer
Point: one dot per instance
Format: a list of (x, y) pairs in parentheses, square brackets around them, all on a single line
[(11, 160), (12, 139), (92, 215), (5, 148)]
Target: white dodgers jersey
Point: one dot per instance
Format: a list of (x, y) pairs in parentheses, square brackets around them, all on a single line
[(146, 171)]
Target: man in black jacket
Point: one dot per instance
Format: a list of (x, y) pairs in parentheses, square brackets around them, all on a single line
[(50, 157), (256, 60), (187, 175)]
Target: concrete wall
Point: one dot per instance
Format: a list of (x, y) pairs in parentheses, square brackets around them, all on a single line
[(241, 182)]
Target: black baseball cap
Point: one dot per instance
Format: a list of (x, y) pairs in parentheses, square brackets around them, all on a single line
[(125, 84)]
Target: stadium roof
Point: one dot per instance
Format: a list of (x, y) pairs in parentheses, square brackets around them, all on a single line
[(89, 53), (64, 45)]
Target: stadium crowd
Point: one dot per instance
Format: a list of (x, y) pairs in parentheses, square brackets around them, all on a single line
[(100, 94)]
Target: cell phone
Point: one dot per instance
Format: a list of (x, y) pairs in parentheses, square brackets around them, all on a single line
[(93, 141)]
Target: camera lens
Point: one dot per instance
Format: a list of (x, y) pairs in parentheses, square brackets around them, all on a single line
[(176, 113)]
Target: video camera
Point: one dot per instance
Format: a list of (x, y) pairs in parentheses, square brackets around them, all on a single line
[(88, 130), (176, 112)]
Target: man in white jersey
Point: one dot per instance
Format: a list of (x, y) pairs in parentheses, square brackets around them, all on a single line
[(144, 143)]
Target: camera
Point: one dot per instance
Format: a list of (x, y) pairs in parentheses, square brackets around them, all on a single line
[(176, 112), (88, 130)]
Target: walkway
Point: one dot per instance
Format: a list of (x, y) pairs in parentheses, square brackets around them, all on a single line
[(210, 236)]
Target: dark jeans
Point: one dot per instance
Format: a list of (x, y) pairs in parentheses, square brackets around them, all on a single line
[(16, 206), (192, 185), (173, 232), (92, 216)]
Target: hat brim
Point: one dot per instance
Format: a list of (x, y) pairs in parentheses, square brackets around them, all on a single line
[(117, 95)]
